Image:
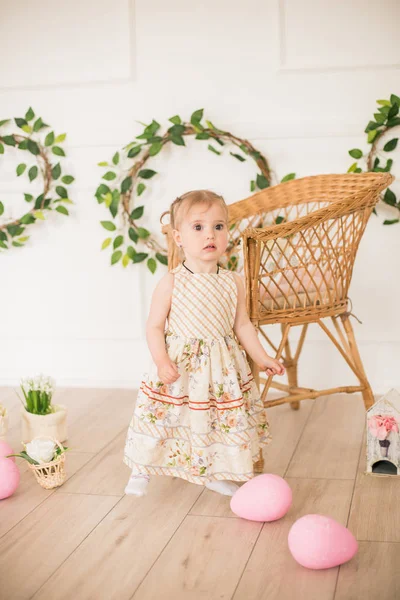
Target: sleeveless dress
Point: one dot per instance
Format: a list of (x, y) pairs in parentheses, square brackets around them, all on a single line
[(209, 424)]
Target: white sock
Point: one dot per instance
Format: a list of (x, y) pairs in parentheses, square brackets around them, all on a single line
[(227, 488), (137, 484)]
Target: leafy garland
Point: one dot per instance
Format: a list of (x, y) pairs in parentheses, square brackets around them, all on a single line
[(128, 179), (386, 119), (11, 230)]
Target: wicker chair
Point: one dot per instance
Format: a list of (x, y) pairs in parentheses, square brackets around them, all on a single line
[(296, 243)]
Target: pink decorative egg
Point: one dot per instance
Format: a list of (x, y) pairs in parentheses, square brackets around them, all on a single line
[(265, 498), (319, 542), (6, 449), (9, 477)]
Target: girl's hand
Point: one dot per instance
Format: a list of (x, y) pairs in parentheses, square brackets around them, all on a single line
[(271, 366), (167, 371)]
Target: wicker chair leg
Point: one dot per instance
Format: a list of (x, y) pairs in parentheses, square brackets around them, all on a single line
[(259, 465), (291, 369), (367, 393)]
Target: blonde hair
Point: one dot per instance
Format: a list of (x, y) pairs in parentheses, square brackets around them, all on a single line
[(182, 204)]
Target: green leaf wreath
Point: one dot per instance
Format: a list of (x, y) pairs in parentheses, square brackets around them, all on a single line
[(127, 177), (385, 120), (41, 144)]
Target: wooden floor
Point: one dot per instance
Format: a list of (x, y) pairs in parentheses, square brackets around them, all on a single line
[(86, 540)]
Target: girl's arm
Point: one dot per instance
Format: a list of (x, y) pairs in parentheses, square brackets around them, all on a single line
[(248, 337), (155, 326)]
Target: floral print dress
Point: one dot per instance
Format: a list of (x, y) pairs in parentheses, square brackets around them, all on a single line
[(209, 424)]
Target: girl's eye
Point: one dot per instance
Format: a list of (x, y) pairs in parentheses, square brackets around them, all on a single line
[(219, 226), (197, 227)]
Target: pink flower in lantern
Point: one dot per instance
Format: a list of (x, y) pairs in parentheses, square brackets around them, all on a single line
[(381, 425)]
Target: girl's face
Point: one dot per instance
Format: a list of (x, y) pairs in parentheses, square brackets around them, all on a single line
[(203, 232)]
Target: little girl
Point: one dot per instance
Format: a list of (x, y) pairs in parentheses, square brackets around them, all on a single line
[(198, 413)]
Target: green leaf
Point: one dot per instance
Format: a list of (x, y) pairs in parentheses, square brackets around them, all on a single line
[(176, 130), (119, 240), (101, 190), (383, 102), (152, 265), (178, 140), (203, 136), (393, 111), (38, 124), (15, 230), (39, 215), (67, 179), (102, 164), (162, 258), (106, 243), (115, 203), (137, 212), (1, 149), (139, 257), (109, 176), (252, 185), (115, 158), (116, 256), (30, 114), (393, 122), (56, 171), (27, 129), (213, 149), (108, 225), (241, 158), (155, 148), (356, 153), (61, 209), (288, 177), (33, 147), (371, 126), (28, 197), (146, 173), (262, 182), (352, 168), (126, 185), (32, 173), (108, 199), (49, 139), (58, 151), (134, 151), (389, 146), (20, 123), (20, 169), (1, 208), (197, 116), (4, 121), (125, 260), (60, 138), (390, 221), (380, 118), (9, 140), (279, 220), (133, 235), (27, 219), (61, 191), (389, 197), (142, 232), (131, 252), (371, 136), (140, 189), (394, 99), (175, 120)]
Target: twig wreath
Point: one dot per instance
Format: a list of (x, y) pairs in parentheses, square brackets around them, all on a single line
[(128, 175), (11, 230), (385, 120)]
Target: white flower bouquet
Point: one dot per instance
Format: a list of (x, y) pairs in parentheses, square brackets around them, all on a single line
[(3, 421), (38, 392)]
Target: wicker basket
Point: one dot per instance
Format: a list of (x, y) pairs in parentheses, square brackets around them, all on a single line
[(52, 474)]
